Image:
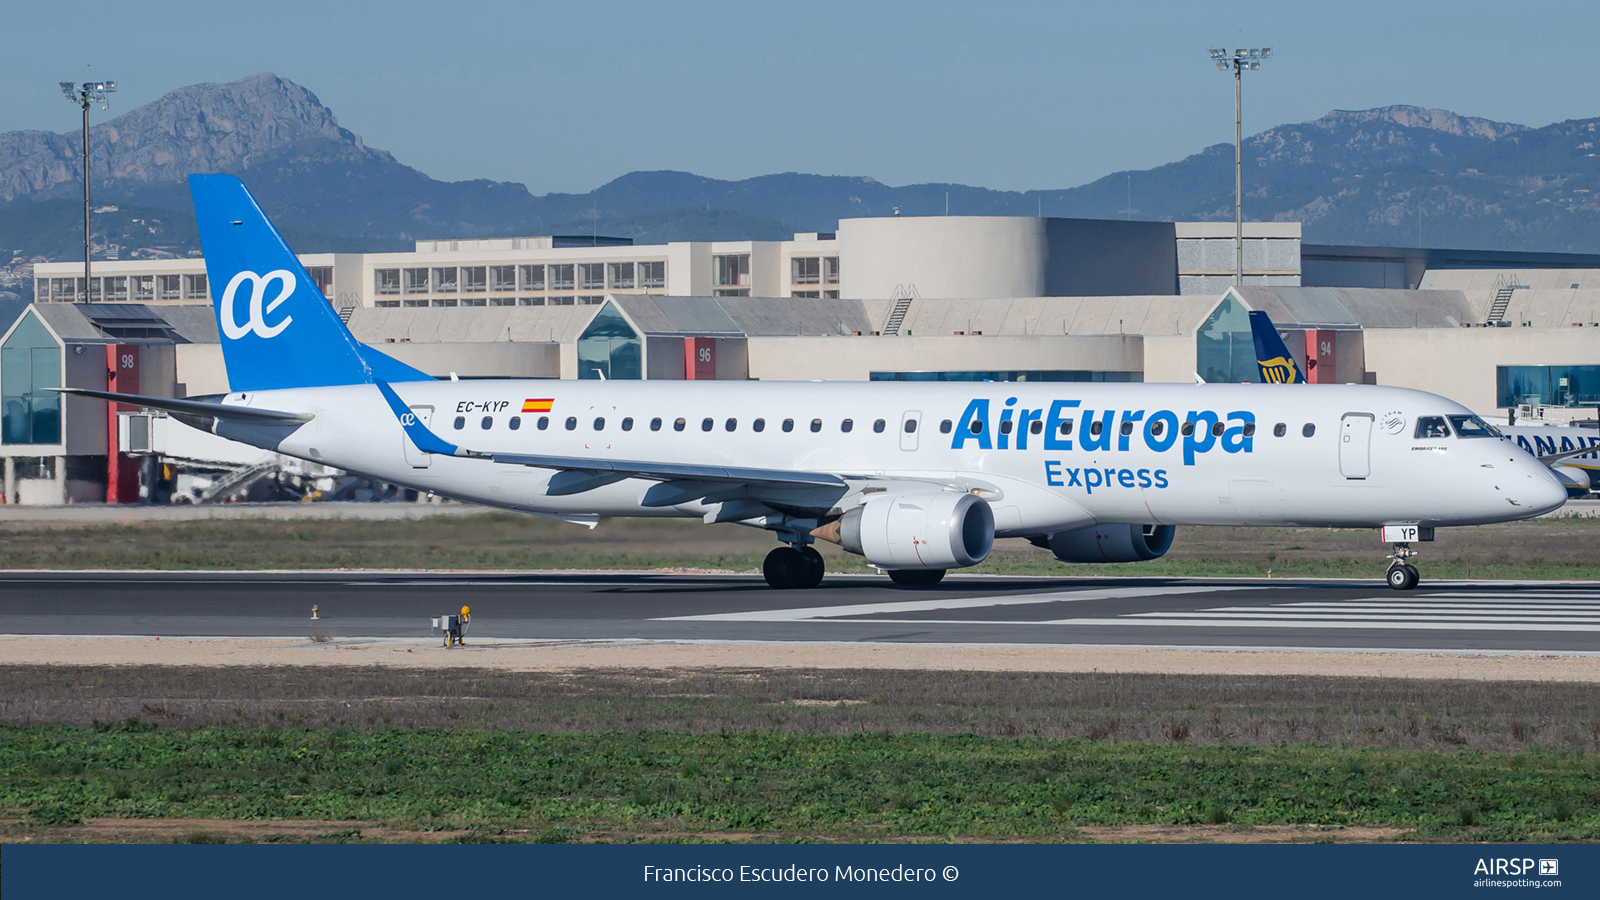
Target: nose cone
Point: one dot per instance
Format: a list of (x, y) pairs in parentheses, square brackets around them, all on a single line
[(1541, 491)]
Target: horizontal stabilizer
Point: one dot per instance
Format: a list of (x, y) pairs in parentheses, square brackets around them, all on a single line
[(194, 407)]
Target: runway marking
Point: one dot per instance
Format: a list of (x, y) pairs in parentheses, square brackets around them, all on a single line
[(835, 613)]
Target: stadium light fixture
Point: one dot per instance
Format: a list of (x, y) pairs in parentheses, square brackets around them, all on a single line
[(85, 95), (1239, 61)]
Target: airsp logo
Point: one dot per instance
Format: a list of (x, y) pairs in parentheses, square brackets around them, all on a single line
[(1394, 421), (257, 322)]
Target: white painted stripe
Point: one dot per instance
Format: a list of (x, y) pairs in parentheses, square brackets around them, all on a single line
[(1484, 610), (1512, 595), (823, 613), (1312, 617), (1345, 623)]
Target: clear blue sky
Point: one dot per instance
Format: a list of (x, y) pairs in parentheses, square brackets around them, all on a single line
[(564, 97)]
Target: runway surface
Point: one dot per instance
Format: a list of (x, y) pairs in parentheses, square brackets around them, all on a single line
[(972, 610)]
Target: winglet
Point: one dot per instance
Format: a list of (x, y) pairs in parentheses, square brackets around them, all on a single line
[(425, 440), (1273, 360)]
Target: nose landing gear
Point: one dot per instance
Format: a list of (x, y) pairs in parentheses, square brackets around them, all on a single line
[(1402, 576)]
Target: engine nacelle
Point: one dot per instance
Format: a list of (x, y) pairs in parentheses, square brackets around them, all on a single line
[(919, 530), (1112, 543), (1577, 482)]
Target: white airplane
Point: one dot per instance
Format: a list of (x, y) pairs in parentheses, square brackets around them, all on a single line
[(918, 478)]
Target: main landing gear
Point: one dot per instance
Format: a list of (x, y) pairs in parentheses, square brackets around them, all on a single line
[(793, 567), (1402, 576)]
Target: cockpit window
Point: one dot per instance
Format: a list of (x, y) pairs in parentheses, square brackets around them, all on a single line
[(1432, 427), (1472, 427)]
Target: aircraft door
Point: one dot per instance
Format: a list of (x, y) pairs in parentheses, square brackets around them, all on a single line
[(1355, 437), (415, 457), (910, 424)]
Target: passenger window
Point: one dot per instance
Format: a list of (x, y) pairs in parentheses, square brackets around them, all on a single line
[(1249, 429), (977, 426), (1127, 428), (731, 424), (1432, 427), (706, 424), (461, 422), (515, 423), (544, 422), (487, 423), (758, 425), (1279, 430), (1005, 426), (1309, 430), (572, 423), (878, 426), (679, 424), (944, 427), (1066, 427), (788, 424), (846, 425), (599, 424), (1095, 428), (655, 424), (1187, 430), (1217, 428), (911, 426), (1472, 427), (627, 424), (1157, 427), (816, 425)]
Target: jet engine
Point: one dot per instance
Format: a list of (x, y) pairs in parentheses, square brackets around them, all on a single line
[(1110, 543), (1575, 480), (917, 530)]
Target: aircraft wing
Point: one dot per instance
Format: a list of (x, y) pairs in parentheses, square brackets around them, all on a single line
[(1553, 458), (196, 408), (579, 474)]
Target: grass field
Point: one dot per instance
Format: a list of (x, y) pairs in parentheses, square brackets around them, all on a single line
[(806, 755), (1536, 549)]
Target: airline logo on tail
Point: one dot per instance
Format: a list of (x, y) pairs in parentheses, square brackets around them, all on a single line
[(1273, 360), (1279, 370), (257, 323)]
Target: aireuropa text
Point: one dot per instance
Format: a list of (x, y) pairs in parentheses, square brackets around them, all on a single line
[(793, 873)]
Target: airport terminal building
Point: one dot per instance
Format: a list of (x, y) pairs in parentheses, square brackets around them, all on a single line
[(917, 298)]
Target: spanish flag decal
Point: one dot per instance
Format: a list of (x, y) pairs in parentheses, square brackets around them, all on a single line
[(544, 405)]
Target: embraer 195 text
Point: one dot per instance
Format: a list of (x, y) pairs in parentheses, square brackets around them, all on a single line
[(918, 478)]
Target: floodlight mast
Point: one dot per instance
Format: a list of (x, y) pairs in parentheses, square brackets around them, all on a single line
[(85, 95), (1239, 61)]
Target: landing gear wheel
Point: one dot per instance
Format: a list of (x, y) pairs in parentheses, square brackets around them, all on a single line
[(1402, 577), (786, 567), (815, 567), (916, 577)]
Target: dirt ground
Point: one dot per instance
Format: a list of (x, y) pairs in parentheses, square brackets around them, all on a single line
[(577, 656), (234, 831)]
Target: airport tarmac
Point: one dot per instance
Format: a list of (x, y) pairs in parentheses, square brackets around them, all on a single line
[(1246, 614)]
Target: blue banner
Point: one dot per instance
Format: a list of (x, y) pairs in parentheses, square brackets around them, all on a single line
[(1162, 872)]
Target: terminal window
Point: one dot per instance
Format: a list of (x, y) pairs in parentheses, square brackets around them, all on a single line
[(169, 287), (141, 287), (1076, 375), (502, 278), (830, 270), (732, 269), (1547, 386), (322, 277), (805, 295), (194, 287), (30, 365), (593, 276), (652, 274), (415, 280), (620, 274), (531, 278), (116, 288), (561, 276), (444, 279), (385, 281), (805, 270), (473, 278)]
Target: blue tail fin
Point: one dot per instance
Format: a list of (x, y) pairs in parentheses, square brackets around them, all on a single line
[(277, 329), (1273, 360)]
